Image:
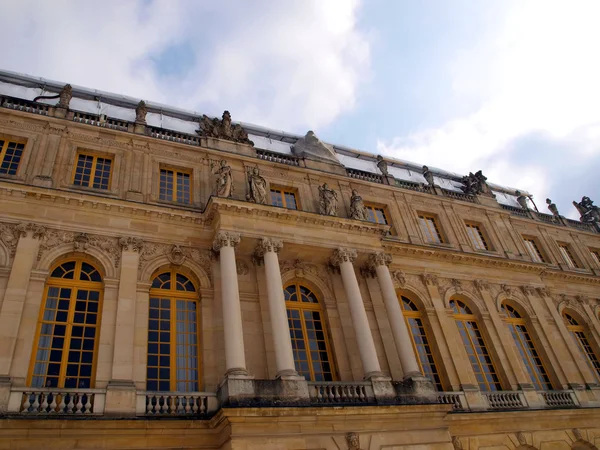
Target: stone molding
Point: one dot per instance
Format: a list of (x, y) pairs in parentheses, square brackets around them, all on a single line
[(225, 239), (342, 255)]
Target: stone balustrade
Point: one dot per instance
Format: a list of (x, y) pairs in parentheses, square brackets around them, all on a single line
[(341, 393), (56, 401), (196, 404)]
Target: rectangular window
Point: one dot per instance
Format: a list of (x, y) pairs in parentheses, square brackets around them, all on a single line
[(533, 250), (10, 156), (596, 256), (565, 251), (476, 236), (92, 171), (175, 186), (376, 214), (430, 229), (283, 198)]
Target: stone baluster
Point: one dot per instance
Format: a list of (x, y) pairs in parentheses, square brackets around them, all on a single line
[(235, 358), (343, 258), (379, 263), (284, 357)]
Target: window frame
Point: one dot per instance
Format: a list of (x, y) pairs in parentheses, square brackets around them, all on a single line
[(173, 295), (304, 306), (592, 362), (8, 139), (95, 156), (595, 253), (75, 285), (480, 230), (567, 255), (284, 190), (176, 170), (371, 207), (535, 242), (443, 240)]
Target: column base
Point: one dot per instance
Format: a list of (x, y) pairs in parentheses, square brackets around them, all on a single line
[(289, 374), (120, 399), (377, 375), (238, 372), (5, 385), (416, 389), (245, 391)]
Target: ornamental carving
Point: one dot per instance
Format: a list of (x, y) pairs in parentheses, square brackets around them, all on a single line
[(225, 239), (342, 255), (358, 211), (457, 443), (476, 184), (177, 255), (81, 242), (521, 438), (224, 182), (429, 279), (223, 129), (543, 291), (428, 176), (456, 284), (506, 289), (528, 290), (65, 96), (140, 112), (379, 259), (328, 201), (311, 147), (241, 267), (588, 212), (353, 441), (481, 285), (382, 165), (399, 278), (266, 245), (302, 269), (9, 237), (257, 186), (132, 244)]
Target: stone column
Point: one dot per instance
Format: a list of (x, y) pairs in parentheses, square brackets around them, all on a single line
[(120, 394), (282, 343), (27, 238), (410, 367), (344, 257), (235, 358)]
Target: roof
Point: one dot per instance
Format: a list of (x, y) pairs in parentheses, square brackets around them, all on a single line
[(94, 101)]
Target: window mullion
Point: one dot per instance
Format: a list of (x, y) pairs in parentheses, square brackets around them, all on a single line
[(93, 171), (68, 332), (173, 328), (305, 335)]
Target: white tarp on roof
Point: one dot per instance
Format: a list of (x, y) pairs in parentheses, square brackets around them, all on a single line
[(403, 173), (357, 163), (506, 199), (16, 91), (271, 145), (450, 185)]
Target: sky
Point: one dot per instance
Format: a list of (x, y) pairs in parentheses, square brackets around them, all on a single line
[(511, 87)]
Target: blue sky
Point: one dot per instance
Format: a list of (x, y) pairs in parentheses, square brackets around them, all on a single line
[(510, 86)]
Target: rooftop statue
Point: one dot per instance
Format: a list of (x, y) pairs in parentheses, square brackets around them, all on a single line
[(311, 147), (521, 199), (328, 201), (476, 184), (587, 210), (223, 129), (358, 211), (140, 112), (428, 176), (65, 96), (552, 207), (224, 182), (382, 165), (257, 187)]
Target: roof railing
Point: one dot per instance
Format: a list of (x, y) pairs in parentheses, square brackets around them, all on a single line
[(23, 105)]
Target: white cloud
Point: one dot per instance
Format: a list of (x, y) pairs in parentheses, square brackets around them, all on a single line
[(538, 73), (280, 64)]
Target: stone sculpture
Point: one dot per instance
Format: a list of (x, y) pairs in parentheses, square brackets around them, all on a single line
[(428, 176), (357, 207), (311, 147), (328, 201), (587, 210), (223, 129), (257, 187), (476, 184), (382, 165), (224, 182), (353, 441), (552, 207), (65, 96), (521, 199), (140, 112)]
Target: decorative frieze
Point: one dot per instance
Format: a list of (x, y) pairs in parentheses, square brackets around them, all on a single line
[(81, 242)]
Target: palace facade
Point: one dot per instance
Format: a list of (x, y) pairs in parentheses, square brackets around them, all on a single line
[(174, 281)]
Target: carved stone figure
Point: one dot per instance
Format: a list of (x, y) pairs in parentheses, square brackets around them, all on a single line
[(328, 201), (140, 112), (357, 207), (311, 147), (476, 184), (552, 207), (428, 176), (65, 96), (223, 129), (224, 182), (521, 199), (521, 438), (257, 187), (353, 441), (457, 443), (382, 165), (587, 210), (176, 255)]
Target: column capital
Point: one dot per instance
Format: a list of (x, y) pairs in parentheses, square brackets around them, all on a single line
[(132, 244), (342, 255), (379, 259), (225, 239), (34, 230), (266, 245)]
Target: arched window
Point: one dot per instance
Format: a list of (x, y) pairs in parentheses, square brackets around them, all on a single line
[(421, 345), (68, 327), (578, 332), (310, 342), (173, 348), (531, 358), (477, 351)]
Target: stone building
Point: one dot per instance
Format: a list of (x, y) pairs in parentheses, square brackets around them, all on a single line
[(175, 281)]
